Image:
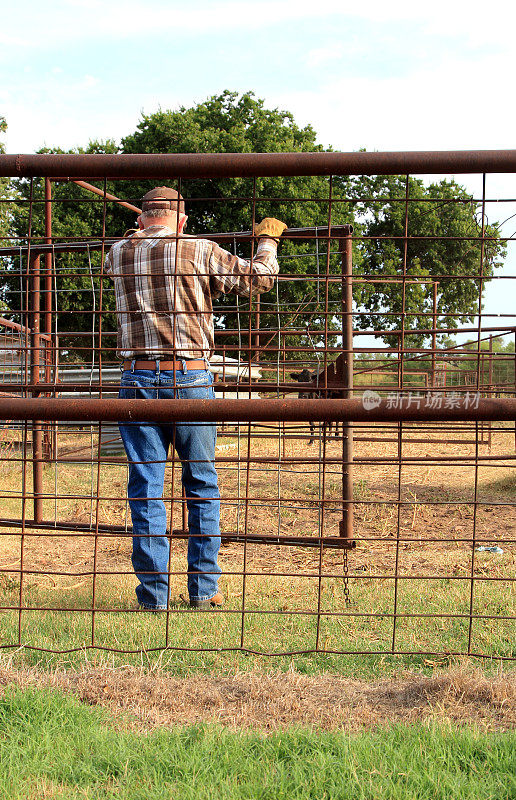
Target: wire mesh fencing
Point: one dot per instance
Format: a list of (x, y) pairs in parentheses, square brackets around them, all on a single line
[(365, 408)]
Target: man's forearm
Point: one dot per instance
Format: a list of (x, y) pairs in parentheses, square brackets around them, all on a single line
[(264, 266), (231, 274)]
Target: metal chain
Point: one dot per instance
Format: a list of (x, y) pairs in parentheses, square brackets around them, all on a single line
[(347, 598)]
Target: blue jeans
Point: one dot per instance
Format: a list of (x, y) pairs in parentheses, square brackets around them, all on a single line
[(147, 445)]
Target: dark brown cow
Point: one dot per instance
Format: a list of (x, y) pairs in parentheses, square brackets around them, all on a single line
[(305, 376)]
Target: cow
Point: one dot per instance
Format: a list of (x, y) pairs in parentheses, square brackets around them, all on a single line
[(305, 376)]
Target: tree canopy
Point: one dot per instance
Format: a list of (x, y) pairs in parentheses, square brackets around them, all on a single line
[(442, 223), (4, 189), (443, 246)]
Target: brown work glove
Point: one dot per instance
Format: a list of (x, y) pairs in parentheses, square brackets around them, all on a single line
[(270, 227)]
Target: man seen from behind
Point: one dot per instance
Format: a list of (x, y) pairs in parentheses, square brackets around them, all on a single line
[(165, 283)]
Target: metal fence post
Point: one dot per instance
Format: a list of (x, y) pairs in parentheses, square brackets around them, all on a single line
[(35, 363), (50, 428), (346, 377)]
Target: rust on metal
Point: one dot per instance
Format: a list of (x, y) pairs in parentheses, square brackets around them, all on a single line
[(222, 165), (320, 410), (355, 496)]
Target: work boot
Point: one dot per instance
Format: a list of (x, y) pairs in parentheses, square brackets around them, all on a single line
[(213, 603)]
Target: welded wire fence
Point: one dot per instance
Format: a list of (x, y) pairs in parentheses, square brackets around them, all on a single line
[(365, 408)]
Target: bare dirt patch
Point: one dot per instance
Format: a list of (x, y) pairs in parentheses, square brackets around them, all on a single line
[(274, 701), (437, 482)]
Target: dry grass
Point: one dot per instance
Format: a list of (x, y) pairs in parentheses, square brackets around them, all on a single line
[(270, 702)]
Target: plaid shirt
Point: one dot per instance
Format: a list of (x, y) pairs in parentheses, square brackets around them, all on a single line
[(164, 287)]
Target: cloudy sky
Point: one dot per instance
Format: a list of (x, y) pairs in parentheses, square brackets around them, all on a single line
[(398, 75), (386, 76)]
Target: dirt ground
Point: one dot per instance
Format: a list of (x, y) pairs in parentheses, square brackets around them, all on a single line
[(438, 493)]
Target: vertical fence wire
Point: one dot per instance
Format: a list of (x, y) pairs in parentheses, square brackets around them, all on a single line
[(281, 508)]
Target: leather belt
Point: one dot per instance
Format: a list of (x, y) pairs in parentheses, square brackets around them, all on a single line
[(165, 365)]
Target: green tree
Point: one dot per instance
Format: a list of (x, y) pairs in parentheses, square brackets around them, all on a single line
[(5, 193), (230, 123), (227, 123), (9, 197), (495, 363), (78, 216), (443, 227)]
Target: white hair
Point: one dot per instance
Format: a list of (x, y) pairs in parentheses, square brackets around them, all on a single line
[(158, 213)]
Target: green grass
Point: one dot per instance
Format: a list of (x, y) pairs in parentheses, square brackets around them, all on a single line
[(53, 746), (269, 633)]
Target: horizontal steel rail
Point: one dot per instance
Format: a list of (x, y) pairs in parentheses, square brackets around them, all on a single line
[(262, 410), (227, 165), (38, 248)]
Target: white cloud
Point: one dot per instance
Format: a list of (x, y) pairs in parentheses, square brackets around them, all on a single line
[(7, 40), (31, 128), (321, 56), (87, 4), (461, 103), (452, 106), (122, 19), (88, 82)]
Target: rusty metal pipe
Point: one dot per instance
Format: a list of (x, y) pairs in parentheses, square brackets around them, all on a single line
[(50, 430), (346, 524), (14, 326), (224, 165), (319, 232), (434, 331), (47, 304), (260, 410), (35, 364), (107, 195)]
